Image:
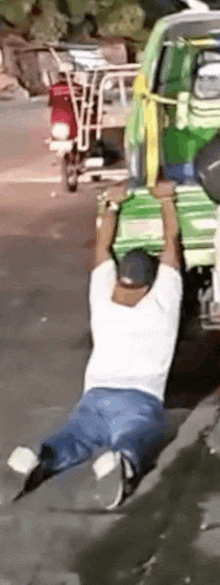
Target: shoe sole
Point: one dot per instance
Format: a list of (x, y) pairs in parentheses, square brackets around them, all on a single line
[(109, 474), (116, 480), (128, 483)]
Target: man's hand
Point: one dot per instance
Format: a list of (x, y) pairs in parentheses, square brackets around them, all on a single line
[(117, 192), (106, 223), (164, 190)]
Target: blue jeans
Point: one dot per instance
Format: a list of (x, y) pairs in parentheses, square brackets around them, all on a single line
[(182, 173), (128, 421)]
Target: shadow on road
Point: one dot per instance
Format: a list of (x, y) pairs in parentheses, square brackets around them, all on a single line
[(155, 543)]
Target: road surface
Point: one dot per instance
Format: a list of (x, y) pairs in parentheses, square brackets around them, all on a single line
[(47, 237)]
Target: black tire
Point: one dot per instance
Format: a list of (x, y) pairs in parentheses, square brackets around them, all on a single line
[(215, 197), (69, 173)]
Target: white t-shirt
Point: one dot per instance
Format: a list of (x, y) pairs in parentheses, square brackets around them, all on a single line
[(133, 346)]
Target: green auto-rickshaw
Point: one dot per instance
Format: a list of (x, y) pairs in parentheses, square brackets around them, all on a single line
[(175, 115)]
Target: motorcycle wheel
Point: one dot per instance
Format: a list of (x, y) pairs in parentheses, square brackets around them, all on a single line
[(69, 173)]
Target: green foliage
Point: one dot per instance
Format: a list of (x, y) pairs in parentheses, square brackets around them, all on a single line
[(120, 18), (105, 4), (52, 18), (16, 11), (50, 25), (76, 10)]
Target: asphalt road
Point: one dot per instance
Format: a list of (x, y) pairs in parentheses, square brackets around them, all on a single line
[(45, 250), (47, 238)]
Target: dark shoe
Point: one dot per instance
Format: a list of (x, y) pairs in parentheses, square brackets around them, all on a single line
[(130, 479), (19, 465), (11, 484), (116, 480), (34, 480), (23, 474)]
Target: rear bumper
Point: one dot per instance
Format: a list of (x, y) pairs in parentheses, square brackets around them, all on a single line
[(141, 224)]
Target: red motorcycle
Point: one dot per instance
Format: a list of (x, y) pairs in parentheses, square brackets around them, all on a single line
[(63, 121), (88, 116)]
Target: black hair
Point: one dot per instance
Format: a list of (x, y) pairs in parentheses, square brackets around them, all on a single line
[(139, 266)]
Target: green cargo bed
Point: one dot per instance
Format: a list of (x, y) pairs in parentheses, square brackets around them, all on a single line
[(141, 224)]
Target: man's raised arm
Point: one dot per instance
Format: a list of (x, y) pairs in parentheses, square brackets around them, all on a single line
[(107, 221), (171, 254)]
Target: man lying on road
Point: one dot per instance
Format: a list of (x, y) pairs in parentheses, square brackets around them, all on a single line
[(135, 313)]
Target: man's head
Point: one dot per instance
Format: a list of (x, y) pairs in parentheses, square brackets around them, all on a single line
[(136, 274), (137, 268)]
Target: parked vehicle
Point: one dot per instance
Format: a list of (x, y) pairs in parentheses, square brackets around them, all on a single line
[(172, 132), (89, 108)]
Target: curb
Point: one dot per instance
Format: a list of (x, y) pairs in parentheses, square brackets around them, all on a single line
[(204, 418)]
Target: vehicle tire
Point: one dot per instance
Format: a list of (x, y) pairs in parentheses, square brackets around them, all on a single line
[(69, 173), (214, 198)]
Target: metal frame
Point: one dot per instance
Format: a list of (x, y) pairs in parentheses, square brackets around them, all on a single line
[(93, 84)]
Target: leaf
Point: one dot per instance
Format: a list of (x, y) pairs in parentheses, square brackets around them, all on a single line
[(16, 11), (50, 25), (125, 19)]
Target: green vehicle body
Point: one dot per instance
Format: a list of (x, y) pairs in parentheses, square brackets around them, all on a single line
[(141, 225), (140, 218)]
